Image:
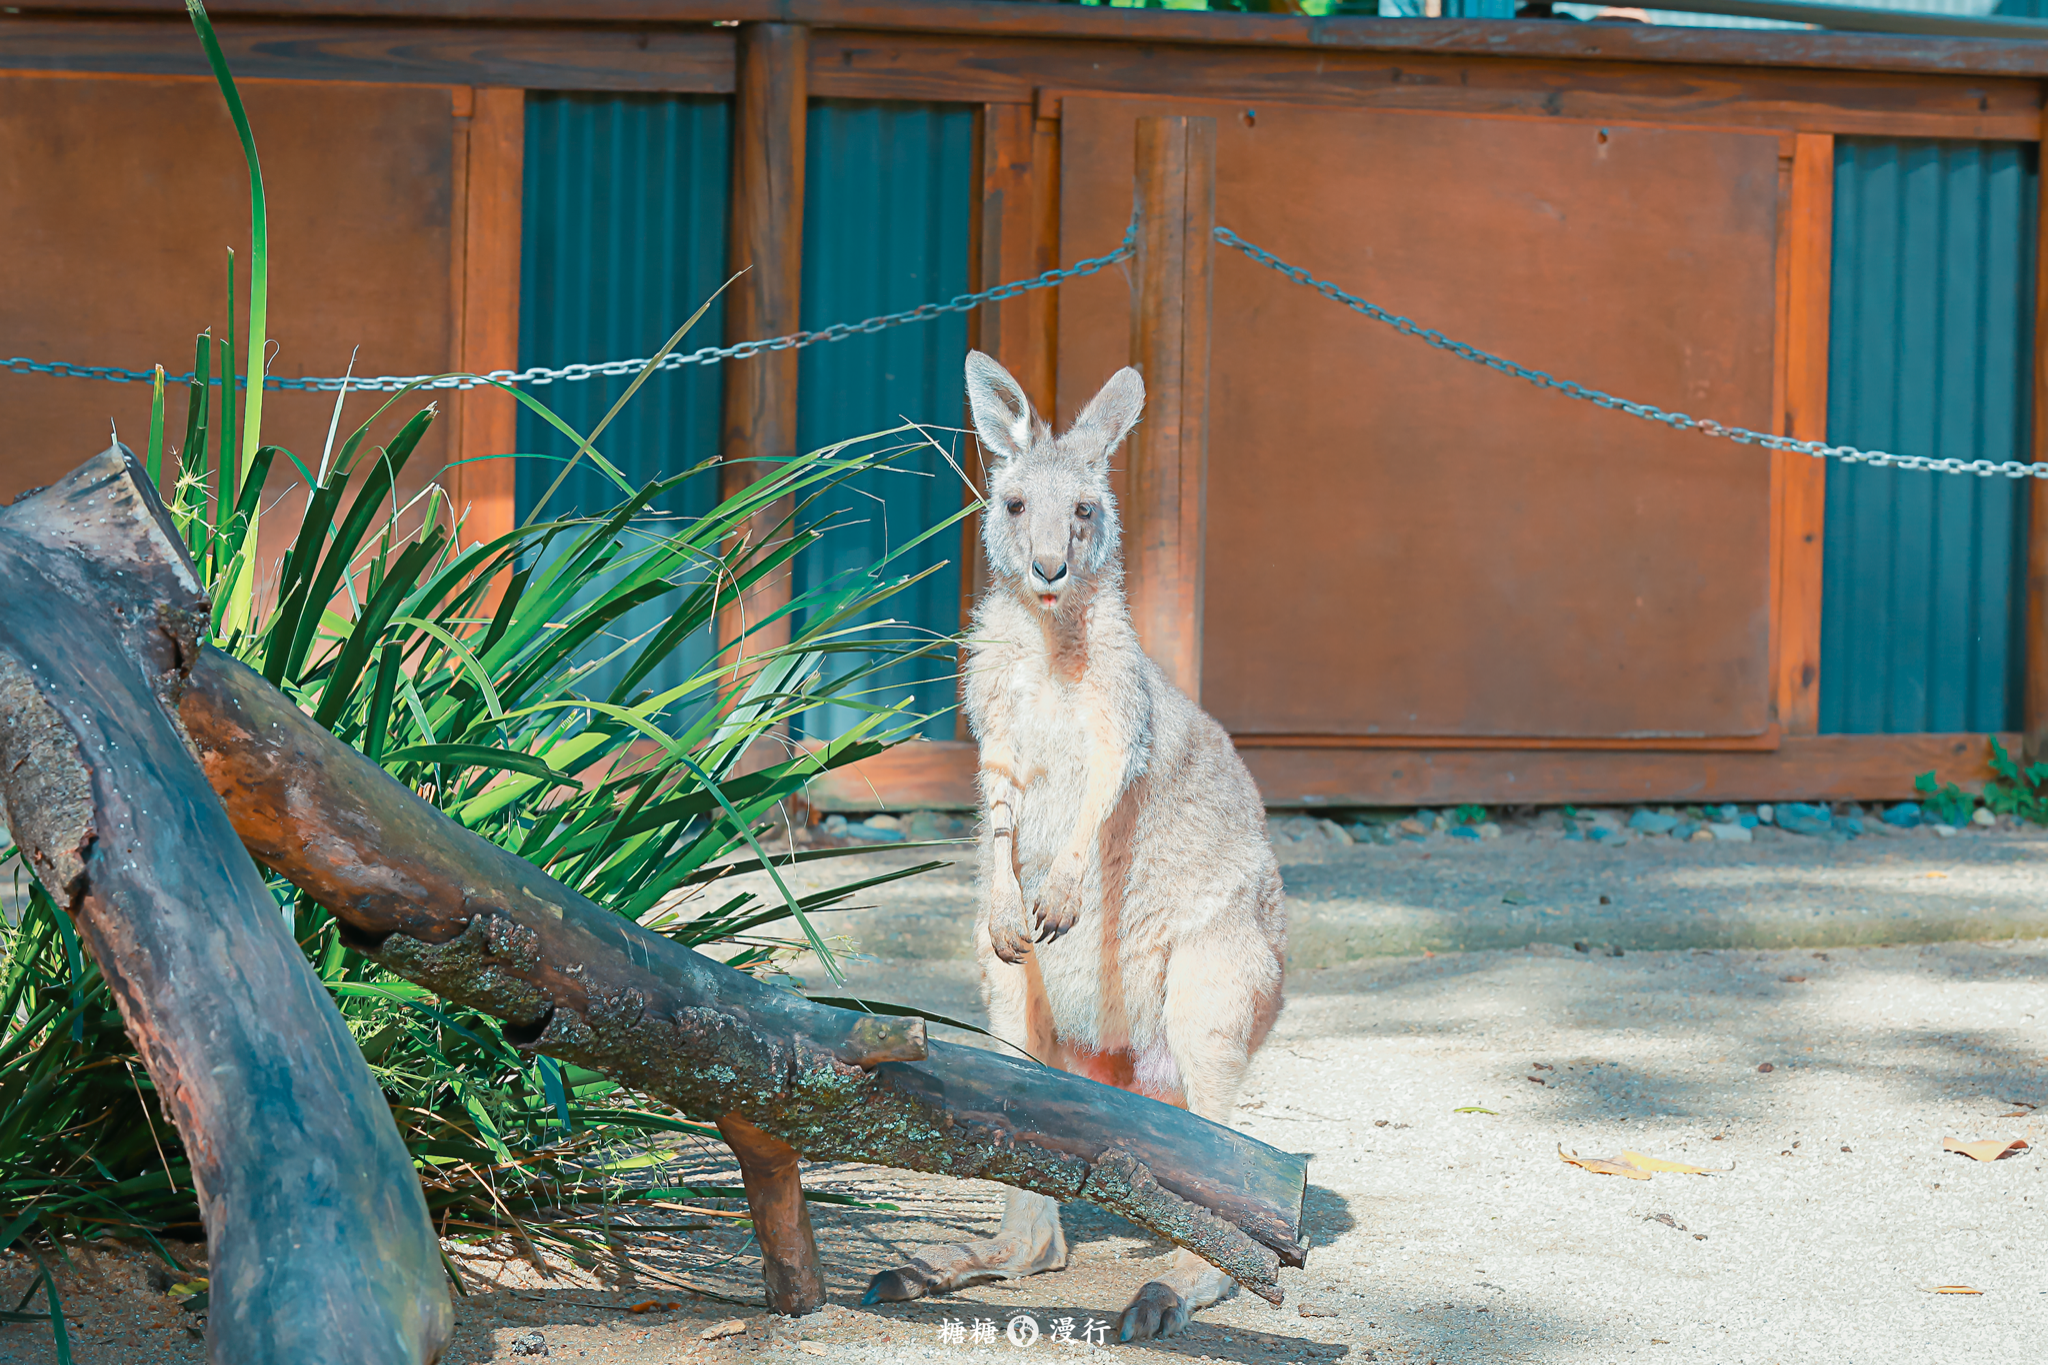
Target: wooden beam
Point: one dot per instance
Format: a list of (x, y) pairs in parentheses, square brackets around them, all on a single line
[(1802, 768), (981, 64), (489, 195), (983, 68), (765, 241), (1799, 482), (1167, 455), (1610, 42), (2035, 694)]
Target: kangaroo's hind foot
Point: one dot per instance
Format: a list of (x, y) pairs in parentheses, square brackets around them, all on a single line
[(1163, 1306), (1030, 1240)]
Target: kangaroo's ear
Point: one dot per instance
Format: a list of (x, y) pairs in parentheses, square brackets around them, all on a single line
[(1109, 416), (1002, 414)]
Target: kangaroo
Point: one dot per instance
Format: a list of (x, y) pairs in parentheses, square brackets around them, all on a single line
[(1131, 925)]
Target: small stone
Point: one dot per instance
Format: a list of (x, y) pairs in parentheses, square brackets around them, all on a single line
[(883, 822), (1984, 817), (1702, 835), (1731, 833), (1412, 827), (1489, 830), (731, 1327), (834, 825), (1766, 1067), (1650, 822), (1850, 825), (531, 1344), (1767, 814), (1684, 830), (1333, 832), (1905, 815), (1747, 821), (869, 834), (1464, 832), (1724, 815), (1796, 817), (1945, 831)]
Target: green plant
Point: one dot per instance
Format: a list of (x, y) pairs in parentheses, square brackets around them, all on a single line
[(2019, 792), (465, 669), (1469, 814), (1947, 803)]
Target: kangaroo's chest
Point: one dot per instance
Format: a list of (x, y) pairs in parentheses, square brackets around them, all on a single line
[(1048, 727)]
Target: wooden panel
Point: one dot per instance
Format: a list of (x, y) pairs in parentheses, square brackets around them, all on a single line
[(1806, 768), (918, 66), (684, 60), (493, 164), (766, 242), (118, 257), (1545, 69), (1626, 41), (1166, 457), (1810, 768), (1403, 543), (1799, 482)]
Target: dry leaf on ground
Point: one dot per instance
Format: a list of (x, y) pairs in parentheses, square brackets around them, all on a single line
[(814, 1348), (1602, 1165), (1652, 1163), (1991, 1149), (653, 1306), (731, 1327), (1950, 1289)]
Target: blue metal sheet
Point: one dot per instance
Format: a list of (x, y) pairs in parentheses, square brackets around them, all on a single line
[(888, 189), (624, 223), (1931, 353)]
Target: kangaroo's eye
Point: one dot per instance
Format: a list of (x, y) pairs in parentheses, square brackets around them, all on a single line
[(1084, 510), (1016, 506)]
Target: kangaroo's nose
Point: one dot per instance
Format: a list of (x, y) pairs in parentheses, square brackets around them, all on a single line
[(1049, 571)]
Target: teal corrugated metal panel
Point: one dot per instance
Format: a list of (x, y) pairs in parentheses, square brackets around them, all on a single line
[(887, 193), (624, 222), (1931, 353)]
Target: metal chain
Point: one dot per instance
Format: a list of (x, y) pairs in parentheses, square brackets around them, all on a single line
[(2012, 469), (541, 374)]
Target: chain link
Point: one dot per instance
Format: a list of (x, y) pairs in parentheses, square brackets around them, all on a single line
[(839, 331), (611, 369), (2011, 469)]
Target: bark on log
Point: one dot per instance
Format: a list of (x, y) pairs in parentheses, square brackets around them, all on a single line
[(446, 908), (317, 1232)]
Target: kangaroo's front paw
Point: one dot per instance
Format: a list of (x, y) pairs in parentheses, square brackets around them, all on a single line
[(1059, 903), (905, 1282), (1007, 932)]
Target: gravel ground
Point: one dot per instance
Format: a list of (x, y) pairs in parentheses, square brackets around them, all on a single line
[(1830, 1212)]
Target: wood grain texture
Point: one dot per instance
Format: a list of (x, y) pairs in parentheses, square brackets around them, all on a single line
[(794, 1276), (982, 69), (695, 60), (1402, 543), (316, 1229), (1799, 482), (1801, 768), (484, 487), (124, 262), (1621, 72), (1167, 454), (765, 240), (1632, 42)]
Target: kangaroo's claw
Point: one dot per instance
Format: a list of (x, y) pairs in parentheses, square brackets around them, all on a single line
[(1157, 1311), (905, 1282), (1059, 905), (1008, 933)]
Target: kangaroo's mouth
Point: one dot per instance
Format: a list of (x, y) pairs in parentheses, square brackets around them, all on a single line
[(1048, 600)]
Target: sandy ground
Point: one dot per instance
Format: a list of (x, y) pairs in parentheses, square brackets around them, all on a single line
[(1830, 1214)]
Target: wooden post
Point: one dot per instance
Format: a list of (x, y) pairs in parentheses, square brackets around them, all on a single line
[(1169, 450), (2035, 714), (794, 1277), (766, 241), (1799, 483), (489, 197)]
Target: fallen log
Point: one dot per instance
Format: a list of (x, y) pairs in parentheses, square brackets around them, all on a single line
[(317, 1231), (441, 906)]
